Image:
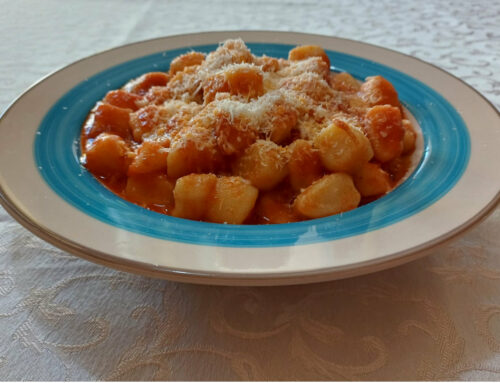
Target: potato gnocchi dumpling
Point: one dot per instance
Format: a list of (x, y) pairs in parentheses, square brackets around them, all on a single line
[(232, 200), (342, 147), (233, 138), (149, 189), (372, 180), (263, 164), (304, 164), (331, 194), (192, 195)]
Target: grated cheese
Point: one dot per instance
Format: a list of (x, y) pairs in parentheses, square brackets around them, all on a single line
[(232, 113)]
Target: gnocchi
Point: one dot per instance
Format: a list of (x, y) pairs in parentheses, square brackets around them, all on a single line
[(331, 194), (342, 147), (192, 195), (233, 138), (232, 201), (264, 164)]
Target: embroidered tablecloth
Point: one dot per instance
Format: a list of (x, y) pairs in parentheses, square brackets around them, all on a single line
[(63, 318)]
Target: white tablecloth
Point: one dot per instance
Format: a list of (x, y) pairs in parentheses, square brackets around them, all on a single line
[(63, 318)]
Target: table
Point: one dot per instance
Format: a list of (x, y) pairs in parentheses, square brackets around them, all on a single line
[(63, 318)]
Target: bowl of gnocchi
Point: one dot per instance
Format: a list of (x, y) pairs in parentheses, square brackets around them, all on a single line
[(249, 158)]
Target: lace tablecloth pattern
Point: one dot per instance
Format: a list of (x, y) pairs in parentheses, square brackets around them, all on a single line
[(63, 318)]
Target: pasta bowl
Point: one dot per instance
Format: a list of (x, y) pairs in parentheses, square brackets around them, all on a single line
[(450, 188)]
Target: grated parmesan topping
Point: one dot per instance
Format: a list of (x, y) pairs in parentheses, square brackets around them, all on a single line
[(309, 65), (250, 121), (254, 111), (300, 87), (240, 67)]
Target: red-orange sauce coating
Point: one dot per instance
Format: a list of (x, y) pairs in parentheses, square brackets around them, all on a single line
[(230, 137)]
